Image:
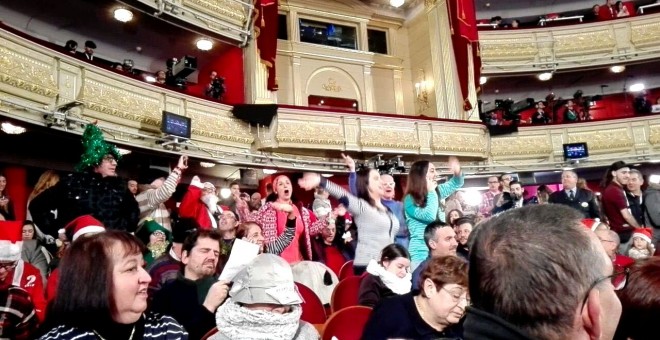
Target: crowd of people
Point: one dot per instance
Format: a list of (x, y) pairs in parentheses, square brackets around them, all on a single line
[(104, 259)]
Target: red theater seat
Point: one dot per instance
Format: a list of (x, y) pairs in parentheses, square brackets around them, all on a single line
[(346, 270), (347, 324), (312, 308), (210, 333), (346, 293)]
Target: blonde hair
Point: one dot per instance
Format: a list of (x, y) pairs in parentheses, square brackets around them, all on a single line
[(48, 179)]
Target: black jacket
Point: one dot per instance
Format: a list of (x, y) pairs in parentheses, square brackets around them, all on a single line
[(480, 325), (584, 201), (86, 193)]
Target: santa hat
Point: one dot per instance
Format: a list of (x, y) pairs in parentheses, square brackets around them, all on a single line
[(11, 240), (82, 225), (643, 233), (591, 223)]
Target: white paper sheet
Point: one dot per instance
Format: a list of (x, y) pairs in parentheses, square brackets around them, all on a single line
[(242, 253)]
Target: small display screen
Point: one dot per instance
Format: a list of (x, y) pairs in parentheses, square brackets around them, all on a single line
[(576, 151), (176, 125)]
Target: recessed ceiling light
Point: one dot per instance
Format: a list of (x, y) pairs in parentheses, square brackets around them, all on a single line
[(122, 14), (327, 175), (637, 87), (123, 152), (482, 80), (545, 76), (12, 129), (396, 3), (269, 171), (617, 68), (206, 164), (204, 44)]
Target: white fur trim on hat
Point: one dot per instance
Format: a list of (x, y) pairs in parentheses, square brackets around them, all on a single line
[(10, 251), (88, 229), (642, 236)]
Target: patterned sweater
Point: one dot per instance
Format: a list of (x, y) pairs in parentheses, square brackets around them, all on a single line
[(152, 201), (376, 228)]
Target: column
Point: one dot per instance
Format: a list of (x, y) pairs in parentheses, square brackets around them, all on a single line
[(256, 79), (294, 26), (363, 40), (296, 80), (368, 95), (398, 92), (445, 78)]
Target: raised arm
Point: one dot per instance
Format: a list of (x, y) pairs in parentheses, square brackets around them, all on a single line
[(455, 182), (155, 197), (277, 247), (350, 163)]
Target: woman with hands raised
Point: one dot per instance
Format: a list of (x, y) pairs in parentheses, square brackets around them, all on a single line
[(376, 224), (274, 216)]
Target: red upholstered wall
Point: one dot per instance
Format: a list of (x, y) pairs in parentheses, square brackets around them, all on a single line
[(229, 64), (17, 189)]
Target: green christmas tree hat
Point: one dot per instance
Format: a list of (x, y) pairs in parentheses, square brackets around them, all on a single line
[(95, 148)]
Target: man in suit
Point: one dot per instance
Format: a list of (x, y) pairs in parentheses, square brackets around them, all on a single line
[(582, 200), (516, 199)]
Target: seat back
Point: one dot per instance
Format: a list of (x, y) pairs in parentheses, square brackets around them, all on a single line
[(346, 270), (346, 293), (312, 308), (210, 333), (347, 324)]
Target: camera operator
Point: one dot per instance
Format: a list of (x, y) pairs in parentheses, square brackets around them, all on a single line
[(216, 88)]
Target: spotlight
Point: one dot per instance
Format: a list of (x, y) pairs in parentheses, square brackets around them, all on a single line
[(204, 44), (617, 68), (123, 14), (545, 76)]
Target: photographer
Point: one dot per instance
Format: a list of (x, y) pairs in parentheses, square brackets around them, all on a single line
[(216, 88)]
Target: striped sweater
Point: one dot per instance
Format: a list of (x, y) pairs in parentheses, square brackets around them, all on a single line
[(152, 201), (376, 228), (156, 327)]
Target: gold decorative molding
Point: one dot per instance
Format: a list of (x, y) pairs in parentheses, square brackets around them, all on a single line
[(331, 86), (509, 49), (645, 35), (584, 43), (604, 140), (654, 135), (220, 127), (307, 132), (388, 138), (27, 73), (124, 102), (219, 8), (517, 146), (460, 142)]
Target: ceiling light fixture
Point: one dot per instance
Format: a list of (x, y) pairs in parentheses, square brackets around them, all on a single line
[(124, 152), (617, 68), (12, 129), (150, 79), (545, 76), (637, 87), (123, 14), (204, 44), (327, 175), (396, 3), (269, 171), (206, 164), (482, 80)]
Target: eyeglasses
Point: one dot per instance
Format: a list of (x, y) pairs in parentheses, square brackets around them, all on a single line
[(619, 281), (457, 297), (8, 266), (109, 158)]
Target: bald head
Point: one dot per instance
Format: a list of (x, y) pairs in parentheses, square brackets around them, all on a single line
[(610, 241), (569, 179)]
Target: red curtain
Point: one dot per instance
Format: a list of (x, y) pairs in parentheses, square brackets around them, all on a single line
[(17, 189), (463, 21), (265, 28)]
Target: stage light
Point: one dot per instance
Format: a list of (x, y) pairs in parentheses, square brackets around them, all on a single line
[(123, 14)]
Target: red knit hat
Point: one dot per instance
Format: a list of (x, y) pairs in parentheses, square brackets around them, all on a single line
[(83, 225), (11, 240), (643, 233), (591, 223)]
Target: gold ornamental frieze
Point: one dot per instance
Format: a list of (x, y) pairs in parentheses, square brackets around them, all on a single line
[(645, 35), (389, 138), (604, 140), (460, 142), (521, 146), (308, 133), (227, 9), (220, 127), (654, 135), (123, 102), (508, 49), (27, 73), (584, 43)]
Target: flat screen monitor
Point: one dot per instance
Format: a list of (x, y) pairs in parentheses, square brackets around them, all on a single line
[(576, 151), (176, 125)]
